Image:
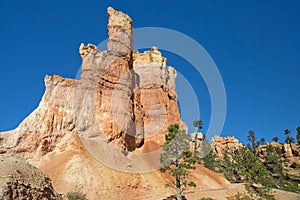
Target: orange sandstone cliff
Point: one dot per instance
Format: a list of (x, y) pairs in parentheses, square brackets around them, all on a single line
[(101, 135)]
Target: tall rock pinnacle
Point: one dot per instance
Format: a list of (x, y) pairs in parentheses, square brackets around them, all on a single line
[(120, 33), (119, 110), (124, 96)]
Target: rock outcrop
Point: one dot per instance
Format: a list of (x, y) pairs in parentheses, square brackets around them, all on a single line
[(20, 180), (50, 128), (287, 149), (220, 145), (290, 152)]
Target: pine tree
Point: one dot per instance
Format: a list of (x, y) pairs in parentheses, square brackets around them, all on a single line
[(275, 139), (250, 170), (289, 139), (198, 124), (177, 158), (274, 163), (252, 139), (298, 134), (212, 162), (248, 167), (227, 166), (262, 141)]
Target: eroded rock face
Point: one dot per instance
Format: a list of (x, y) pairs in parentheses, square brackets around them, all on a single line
[(156, 94), (120, 33), (289, 151), (49, 128), (126, 96), (220, 145)]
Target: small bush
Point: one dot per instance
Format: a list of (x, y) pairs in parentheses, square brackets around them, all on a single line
[(206, 198), (173, 197), (294, 165), (242, 196), (76, 196)]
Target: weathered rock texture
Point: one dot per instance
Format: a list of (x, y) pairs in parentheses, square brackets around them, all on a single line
[(134, 94), (119, 110), (289, 151), (50, 128), (220, 145), (128, 97), (230, 144), (20, 180), (124, 99)]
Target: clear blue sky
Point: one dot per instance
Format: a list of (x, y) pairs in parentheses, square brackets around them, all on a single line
[(255, 44)]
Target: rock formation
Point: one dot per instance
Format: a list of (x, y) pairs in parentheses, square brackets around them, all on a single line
[(122, 104), (126, 96), (134, 93), (20, 180), (220, 145), (231, 144), (86, 133), (289, 151)]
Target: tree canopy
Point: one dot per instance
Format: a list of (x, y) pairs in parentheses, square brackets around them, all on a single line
[(177, 158)]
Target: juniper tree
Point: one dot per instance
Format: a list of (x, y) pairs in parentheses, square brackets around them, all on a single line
[(176, 157)]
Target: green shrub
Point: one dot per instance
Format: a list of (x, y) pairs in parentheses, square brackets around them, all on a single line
[(294, 165), (76, 196), (291, 186), (242, 196), (212, 162)]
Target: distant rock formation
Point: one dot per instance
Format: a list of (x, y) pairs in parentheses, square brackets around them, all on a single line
[(220, 145), (290, 152)]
